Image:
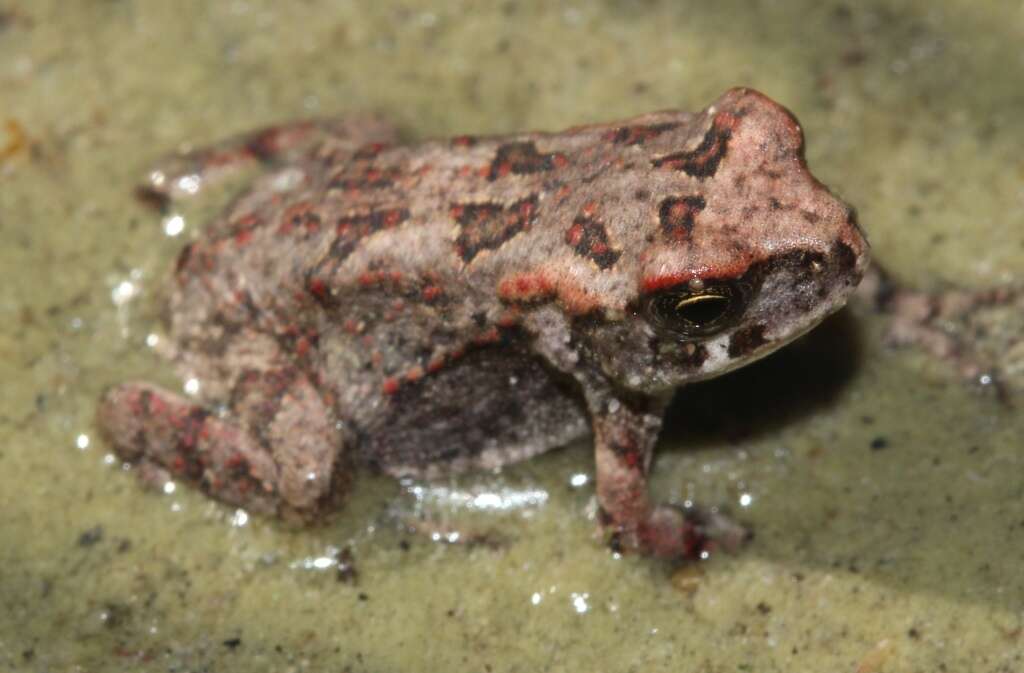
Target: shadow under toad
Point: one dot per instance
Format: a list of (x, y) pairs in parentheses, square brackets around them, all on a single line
[(798, 381)]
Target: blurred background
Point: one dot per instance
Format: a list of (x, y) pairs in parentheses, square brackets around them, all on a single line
[(886, 496)]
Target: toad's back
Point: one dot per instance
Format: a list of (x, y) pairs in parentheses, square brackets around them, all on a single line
[(492, 222), (468, 211)]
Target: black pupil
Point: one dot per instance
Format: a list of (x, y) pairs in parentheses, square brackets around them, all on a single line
[(702, 309)]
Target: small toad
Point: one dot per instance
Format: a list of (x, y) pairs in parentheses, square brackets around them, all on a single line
[(462, 304)]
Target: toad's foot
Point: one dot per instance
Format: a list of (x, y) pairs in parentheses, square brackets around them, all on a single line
[(672, 532), (961, 327), (170, 437)]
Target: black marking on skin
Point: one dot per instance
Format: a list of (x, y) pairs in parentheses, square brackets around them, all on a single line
[(746, 340), (519, 159), (486, 226), (703, 161), (350, 230), (638, 135), (677, 216), (369, 177), (589, 238)]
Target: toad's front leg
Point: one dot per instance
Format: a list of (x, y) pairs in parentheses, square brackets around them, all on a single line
[(625, 431)]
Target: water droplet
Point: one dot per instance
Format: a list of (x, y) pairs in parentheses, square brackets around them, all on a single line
[(579, 602), (123, 292), (189, 183), (174, 224), (578, 480)]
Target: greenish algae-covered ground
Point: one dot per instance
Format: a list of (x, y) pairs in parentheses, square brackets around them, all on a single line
[(887, 498)]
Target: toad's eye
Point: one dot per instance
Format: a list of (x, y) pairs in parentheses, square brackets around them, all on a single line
[(697, 308)]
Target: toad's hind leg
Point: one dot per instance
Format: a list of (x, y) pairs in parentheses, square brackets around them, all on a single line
[(186, 174), (278, 453)]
